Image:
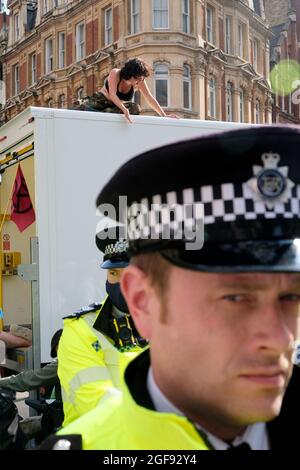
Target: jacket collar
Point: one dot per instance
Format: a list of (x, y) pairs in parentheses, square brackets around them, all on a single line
[(139, 409), (104, 323)]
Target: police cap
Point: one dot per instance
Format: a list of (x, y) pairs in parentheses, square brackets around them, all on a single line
[(114, 246), (241, 188)]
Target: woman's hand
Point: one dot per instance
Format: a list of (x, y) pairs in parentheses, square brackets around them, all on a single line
[(127, 115), (172, 115)]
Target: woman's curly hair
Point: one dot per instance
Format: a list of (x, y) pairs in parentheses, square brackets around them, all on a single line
[(134, 68)]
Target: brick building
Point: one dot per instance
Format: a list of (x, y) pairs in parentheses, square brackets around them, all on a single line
[(210, 58), (284, 18)]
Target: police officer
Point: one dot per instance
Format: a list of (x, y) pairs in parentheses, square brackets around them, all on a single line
[(98, 340), (221, 319)]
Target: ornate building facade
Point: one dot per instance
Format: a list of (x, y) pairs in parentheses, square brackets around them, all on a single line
[(284, 19), (210, 58)]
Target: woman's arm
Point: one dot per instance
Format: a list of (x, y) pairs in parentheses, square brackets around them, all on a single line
[(153, 103), (113, 80)]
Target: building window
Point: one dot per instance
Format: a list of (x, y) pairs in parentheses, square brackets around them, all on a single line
[(240, 39), (242, 106), (187, 87), (80, 93), (160, 11), (108, 38), (48, 55), (229, 106), (32, 70), (186, 16), (16, 79), (228, 34), (210, 24), (290, 104), (135, 16), (255, 5), (257, 112), (80, 41), (255, 54), (61, 101), (61, 50), (161, 79), (212, 97), (16, 27)]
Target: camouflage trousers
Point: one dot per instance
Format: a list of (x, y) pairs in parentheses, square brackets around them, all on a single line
[(98, 102)]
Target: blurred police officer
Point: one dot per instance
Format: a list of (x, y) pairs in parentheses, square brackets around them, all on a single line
[(221, 320), (98, 340)]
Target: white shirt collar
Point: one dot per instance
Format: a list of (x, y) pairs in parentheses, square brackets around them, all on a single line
[(255, 435)]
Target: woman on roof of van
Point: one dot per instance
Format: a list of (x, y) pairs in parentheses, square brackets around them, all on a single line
[(117, 92)]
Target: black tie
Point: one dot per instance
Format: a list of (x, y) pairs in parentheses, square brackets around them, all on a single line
[(242, 446)]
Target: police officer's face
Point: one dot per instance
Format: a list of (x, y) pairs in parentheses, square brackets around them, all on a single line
[(223, 353), (114, 275)]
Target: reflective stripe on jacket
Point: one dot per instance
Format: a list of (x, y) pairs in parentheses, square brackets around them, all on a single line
[(120, 423), (88, 365)]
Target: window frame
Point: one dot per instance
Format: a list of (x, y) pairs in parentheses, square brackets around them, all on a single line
[(80, 92), (49, 59), (108, 31), (80, 44), (228, 37), (164, 77), (167, 9), (17, 26), (33, 69), (186, 18), (290, 104), (16, 77), (242, 105), (61, 51), (187, 79), (255, 45), (134, 17), (240, 39), (229, 101), (257, 111), (60, 101), (210, 27), (214, 101)]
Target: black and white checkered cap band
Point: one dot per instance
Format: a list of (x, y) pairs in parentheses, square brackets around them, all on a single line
[(121, 246), (209, 204)]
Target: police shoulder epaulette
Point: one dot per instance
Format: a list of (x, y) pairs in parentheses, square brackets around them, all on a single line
[(63, 442), (83, 311)]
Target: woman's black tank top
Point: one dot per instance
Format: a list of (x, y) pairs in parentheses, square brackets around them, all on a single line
[(123, 96)]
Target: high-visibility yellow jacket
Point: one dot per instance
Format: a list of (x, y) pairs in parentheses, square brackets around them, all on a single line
[(120, 423), (88, 362)]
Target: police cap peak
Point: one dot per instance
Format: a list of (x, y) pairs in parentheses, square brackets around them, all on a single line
[(248, 183)]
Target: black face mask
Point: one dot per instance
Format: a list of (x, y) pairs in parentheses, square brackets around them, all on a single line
[(116, 296)]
